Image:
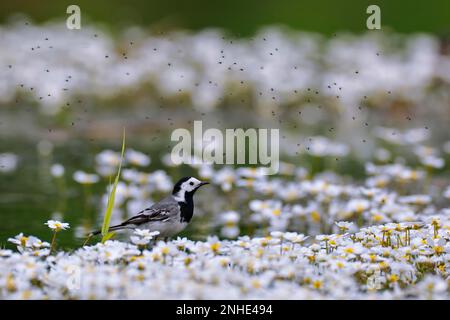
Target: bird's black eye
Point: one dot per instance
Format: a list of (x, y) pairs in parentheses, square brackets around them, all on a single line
[(191, 183)]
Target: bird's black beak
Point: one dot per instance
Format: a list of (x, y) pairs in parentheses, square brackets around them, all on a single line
[(203, 183)]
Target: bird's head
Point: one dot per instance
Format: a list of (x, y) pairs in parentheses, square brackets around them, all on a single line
[(186, 187)]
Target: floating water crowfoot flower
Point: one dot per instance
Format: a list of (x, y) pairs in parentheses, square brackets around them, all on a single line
[(21, 241), (85, 178), (356, 266), (294, 238), (137, 158), (230, 220), (447, 193), (142, 237), (8, 162), (57, 170), (344, 226), (56, 226)]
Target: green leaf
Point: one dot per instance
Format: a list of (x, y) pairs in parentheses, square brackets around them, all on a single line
[(108, 236), (111, 197)]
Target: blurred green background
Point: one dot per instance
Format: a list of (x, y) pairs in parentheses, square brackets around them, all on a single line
[(244, 17)]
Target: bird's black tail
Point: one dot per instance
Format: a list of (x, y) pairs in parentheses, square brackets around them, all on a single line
[(113, 228)]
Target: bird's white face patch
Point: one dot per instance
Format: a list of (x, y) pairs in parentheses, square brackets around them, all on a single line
[(187, 187), (190, 184)]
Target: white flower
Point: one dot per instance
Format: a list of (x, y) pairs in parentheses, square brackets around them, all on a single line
[(56, 225), (447, 192), (259, 205), (57, 170), (37, 243), (85, 178), (143, 237), (145, 233), (5, 253), (433, 162), (344, 225), (8, 162), (433, 285), (294, 237), (41, 252), (254, 173), (167, 160), (20, 240), (446, 147), (420, 199), (277, 234), (108, 158), (230, 218), (323, 237), (161, 180), (140, 241), (351, 249), (137, 158), (358, 205), (206, 171), (321, 146), (225, 177), (230, 232), (382, 155)]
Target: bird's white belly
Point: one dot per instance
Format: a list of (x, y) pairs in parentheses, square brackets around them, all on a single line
[(165, 229)]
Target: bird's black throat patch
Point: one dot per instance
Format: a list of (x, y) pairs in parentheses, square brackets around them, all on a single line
[(186, 211), (187, 207)]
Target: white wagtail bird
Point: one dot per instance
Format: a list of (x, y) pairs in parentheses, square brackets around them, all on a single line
[(169, 216)]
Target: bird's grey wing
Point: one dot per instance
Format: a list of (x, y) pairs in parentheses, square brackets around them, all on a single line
[(158, 212)]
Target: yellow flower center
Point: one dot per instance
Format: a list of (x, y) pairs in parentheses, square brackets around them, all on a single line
[(383, 265), (349, 250), (26, 294), (23, 241), (377, 217), (291, 195), (315, 216), (10, 283), (380, 184), (140, 277), (256, 284), (393, 278), (439, 250), (317, 284), (230, 224), (215, 247)]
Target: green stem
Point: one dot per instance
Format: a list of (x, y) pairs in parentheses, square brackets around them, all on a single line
[(52, 246), (87, 240)]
